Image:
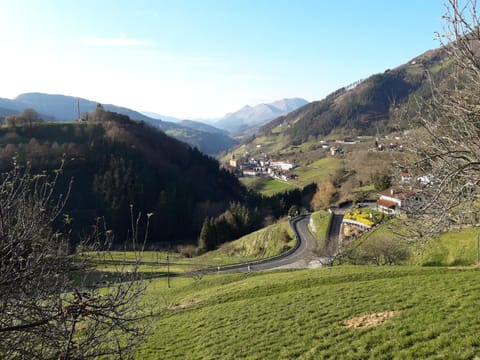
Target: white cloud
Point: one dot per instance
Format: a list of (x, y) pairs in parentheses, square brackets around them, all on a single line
[(121, 40)]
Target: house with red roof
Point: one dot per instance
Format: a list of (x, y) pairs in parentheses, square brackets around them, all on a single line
[(392, 199)]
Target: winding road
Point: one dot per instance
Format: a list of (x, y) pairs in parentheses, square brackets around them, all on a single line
[(303, 255)]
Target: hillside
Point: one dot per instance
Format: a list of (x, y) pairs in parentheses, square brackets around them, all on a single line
[(353, 121), (68, 108), (5, 111), (340, 312), (364, 107), (120, 162)]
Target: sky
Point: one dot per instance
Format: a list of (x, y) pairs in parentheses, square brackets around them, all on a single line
[(204, 58)]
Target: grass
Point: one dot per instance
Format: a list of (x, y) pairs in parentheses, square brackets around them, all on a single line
[(455, 248), (267, 144), (274, 186), (320, 221), (151, 262), (365, 188), (268, 186), (301, 314), (320, 170), (269, 241)]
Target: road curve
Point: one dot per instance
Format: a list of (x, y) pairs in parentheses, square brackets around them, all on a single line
[(302, 253)]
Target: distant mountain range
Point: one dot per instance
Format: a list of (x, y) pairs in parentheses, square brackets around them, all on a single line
[(206, 138), (61, 107), (249, 118), (212, 138), (245, 121), (154, 115)]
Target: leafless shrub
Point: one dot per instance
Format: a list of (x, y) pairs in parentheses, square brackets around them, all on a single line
[(447, 148), (53, 303)]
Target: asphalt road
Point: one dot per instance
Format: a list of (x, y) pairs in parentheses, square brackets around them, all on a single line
[(300, 257)]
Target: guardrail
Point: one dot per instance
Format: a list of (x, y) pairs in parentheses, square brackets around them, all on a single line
[(357, 223)]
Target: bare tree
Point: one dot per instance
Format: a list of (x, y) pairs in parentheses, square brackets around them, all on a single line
[(27, 117), (447, 148), (53, 305)]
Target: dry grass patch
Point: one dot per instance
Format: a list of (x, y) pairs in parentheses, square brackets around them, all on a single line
[(374, 319), (185, 305)]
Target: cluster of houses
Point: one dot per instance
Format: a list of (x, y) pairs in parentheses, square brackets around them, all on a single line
[(336, 150), (393, 145), (264, 166), (391, 201)]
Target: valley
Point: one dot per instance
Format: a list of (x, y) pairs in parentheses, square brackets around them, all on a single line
[(340, 228)]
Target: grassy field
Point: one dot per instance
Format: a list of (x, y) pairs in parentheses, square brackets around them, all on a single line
[(320, 221), (346, 312), (318, 171), (312, 314), (268, 186), (365, 188), (452, 249), (274, 186), (269, 241)]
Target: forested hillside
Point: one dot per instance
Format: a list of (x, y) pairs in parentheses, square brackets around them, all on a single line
[(121, 162), (382, 102), (116, 163)]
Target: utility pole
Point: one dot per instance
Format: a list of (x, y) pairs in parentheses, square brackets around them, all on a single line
[(168, 271)]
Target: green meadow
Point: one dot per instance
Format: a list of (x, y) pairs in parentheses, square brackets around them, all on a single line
[(319, 226), (318, 171), (306, 314), (339, 312), (269, 241)]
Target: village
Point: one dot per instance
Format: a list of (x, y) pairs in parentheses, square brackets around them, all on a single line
[(261, 166), (247, 165), (362, 217)]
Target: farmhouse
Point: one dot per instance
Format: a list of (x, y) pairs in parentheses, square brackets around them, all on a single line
[(392, 199), (335, 150), (405, 177), (288, 176)]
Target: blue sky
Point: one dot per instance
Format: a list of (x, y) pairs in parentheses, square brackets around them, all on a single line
[(203, 58)]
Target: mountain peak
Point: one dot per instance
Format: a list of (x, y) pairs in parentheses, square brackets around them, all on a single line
[(249, 118)]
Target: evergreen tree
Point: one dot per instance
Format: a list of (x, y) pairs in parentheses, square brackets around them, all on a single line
[(207, 240)]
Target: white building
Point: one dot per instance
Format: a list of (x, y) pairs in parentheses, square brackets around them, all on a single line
[(282, 165), (392, 199)]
